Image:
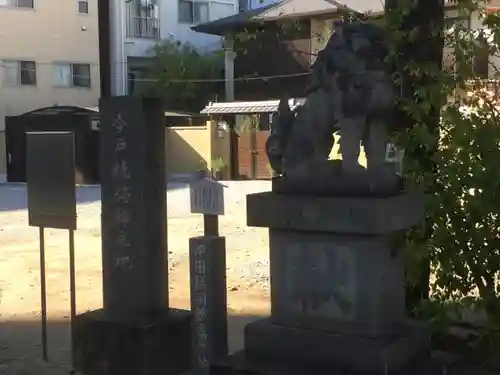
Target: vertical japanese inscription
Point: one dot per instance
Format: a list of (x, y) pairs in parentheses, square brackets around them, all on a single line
[(200, 308), (321, 280), (122, 176)]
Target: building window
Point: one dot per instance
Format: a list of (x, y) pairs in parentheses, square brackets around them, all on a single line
[(18, 3), (196, 11), (83, 6), (143, 19), (72, 75), (19, 73), (193, 12)]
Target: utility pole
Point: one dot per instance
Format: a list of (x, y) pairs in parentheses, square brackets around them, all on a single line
[(104, 47), (425, 18), (229, 56)]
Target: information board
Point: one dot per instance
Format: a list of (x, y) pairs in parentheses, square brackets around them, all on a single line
[(50, 174), (207, 197)]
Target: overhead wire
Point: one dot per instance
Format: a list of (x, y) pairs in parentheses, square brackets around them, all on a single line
[(201, 80)]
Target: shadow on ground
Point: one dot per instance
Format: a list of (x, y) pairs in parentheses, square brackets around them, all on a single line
[(21, 353), (14, 196)]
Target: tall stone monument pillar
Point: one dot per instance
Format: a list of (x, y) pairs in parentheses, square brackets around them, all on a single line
[(135, 333)]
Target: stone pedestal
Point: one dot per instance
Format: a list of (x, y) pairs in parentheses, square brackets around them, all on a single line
[(105, 345), (337, 283)]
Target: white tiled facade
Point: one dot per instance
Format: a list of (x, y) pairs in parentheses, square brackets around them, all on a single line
[(139, 24)]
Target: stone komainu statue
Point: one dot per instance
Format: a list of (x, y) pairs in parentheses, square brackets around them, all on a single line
[(350, 92)]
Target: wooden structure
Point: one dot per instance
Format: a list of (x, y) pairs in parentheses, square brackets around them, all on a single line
[(282, 33), (248, 146)]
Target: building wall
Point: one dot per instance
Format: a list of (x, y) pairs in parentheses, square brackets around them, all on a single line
[(193, 148), (52, 32), (287, 58), (172, 28), (126, 48), (254, 4), (188, 149), (321, 30)]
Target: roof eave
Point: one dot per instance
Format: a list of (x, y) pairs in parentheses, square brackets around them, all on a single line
[(231, 23), (255, 18), (221, 30), (216, 28)]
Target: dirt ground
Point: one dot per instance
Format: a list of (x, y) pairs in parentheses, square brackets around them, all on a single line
[(247, 271)]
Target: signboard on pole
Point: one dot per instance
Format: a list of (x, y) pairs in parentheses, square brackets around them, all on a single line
[(50, 174), (207, 197)]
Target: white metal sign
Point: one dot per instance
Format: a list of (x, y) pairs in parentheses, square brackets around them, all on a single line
[(207, 197)]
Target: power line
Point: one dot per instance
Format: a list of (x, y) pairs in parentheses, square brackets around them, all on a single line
[(218, 80), (207, 80)]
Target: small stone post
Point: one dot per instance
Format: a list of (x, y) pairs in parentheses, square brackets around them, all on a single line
[(207, 258)]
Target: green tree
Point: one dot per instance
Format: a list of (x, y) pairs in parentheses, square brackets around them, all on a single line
[(413, 25), (184, 77), (462, 237)]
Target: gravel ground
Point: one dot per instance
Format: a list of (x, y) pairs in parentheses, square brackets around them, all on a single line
[(247, 270)]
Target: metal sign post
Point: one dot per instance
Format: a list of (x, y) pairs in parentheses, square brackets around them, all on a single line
[(43, 292), (207, 259), (50, 171)]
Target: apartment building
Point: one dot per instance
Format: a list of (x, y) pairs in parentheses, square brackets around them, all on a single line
[(137, 25), (48, 55)]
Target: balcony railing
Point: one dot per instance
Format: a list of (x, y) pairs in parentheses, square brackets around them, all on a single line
[(143, 27)]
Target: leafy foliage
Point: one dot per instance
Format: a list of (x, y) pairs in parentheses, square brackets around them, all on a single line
[(185, 78), (462, 238), (247, 123), (453, 154)]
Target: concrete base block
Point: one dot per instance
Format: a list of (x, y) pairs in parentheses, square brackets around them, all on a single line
[(240, 364), (106, 346), (265, 341)]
